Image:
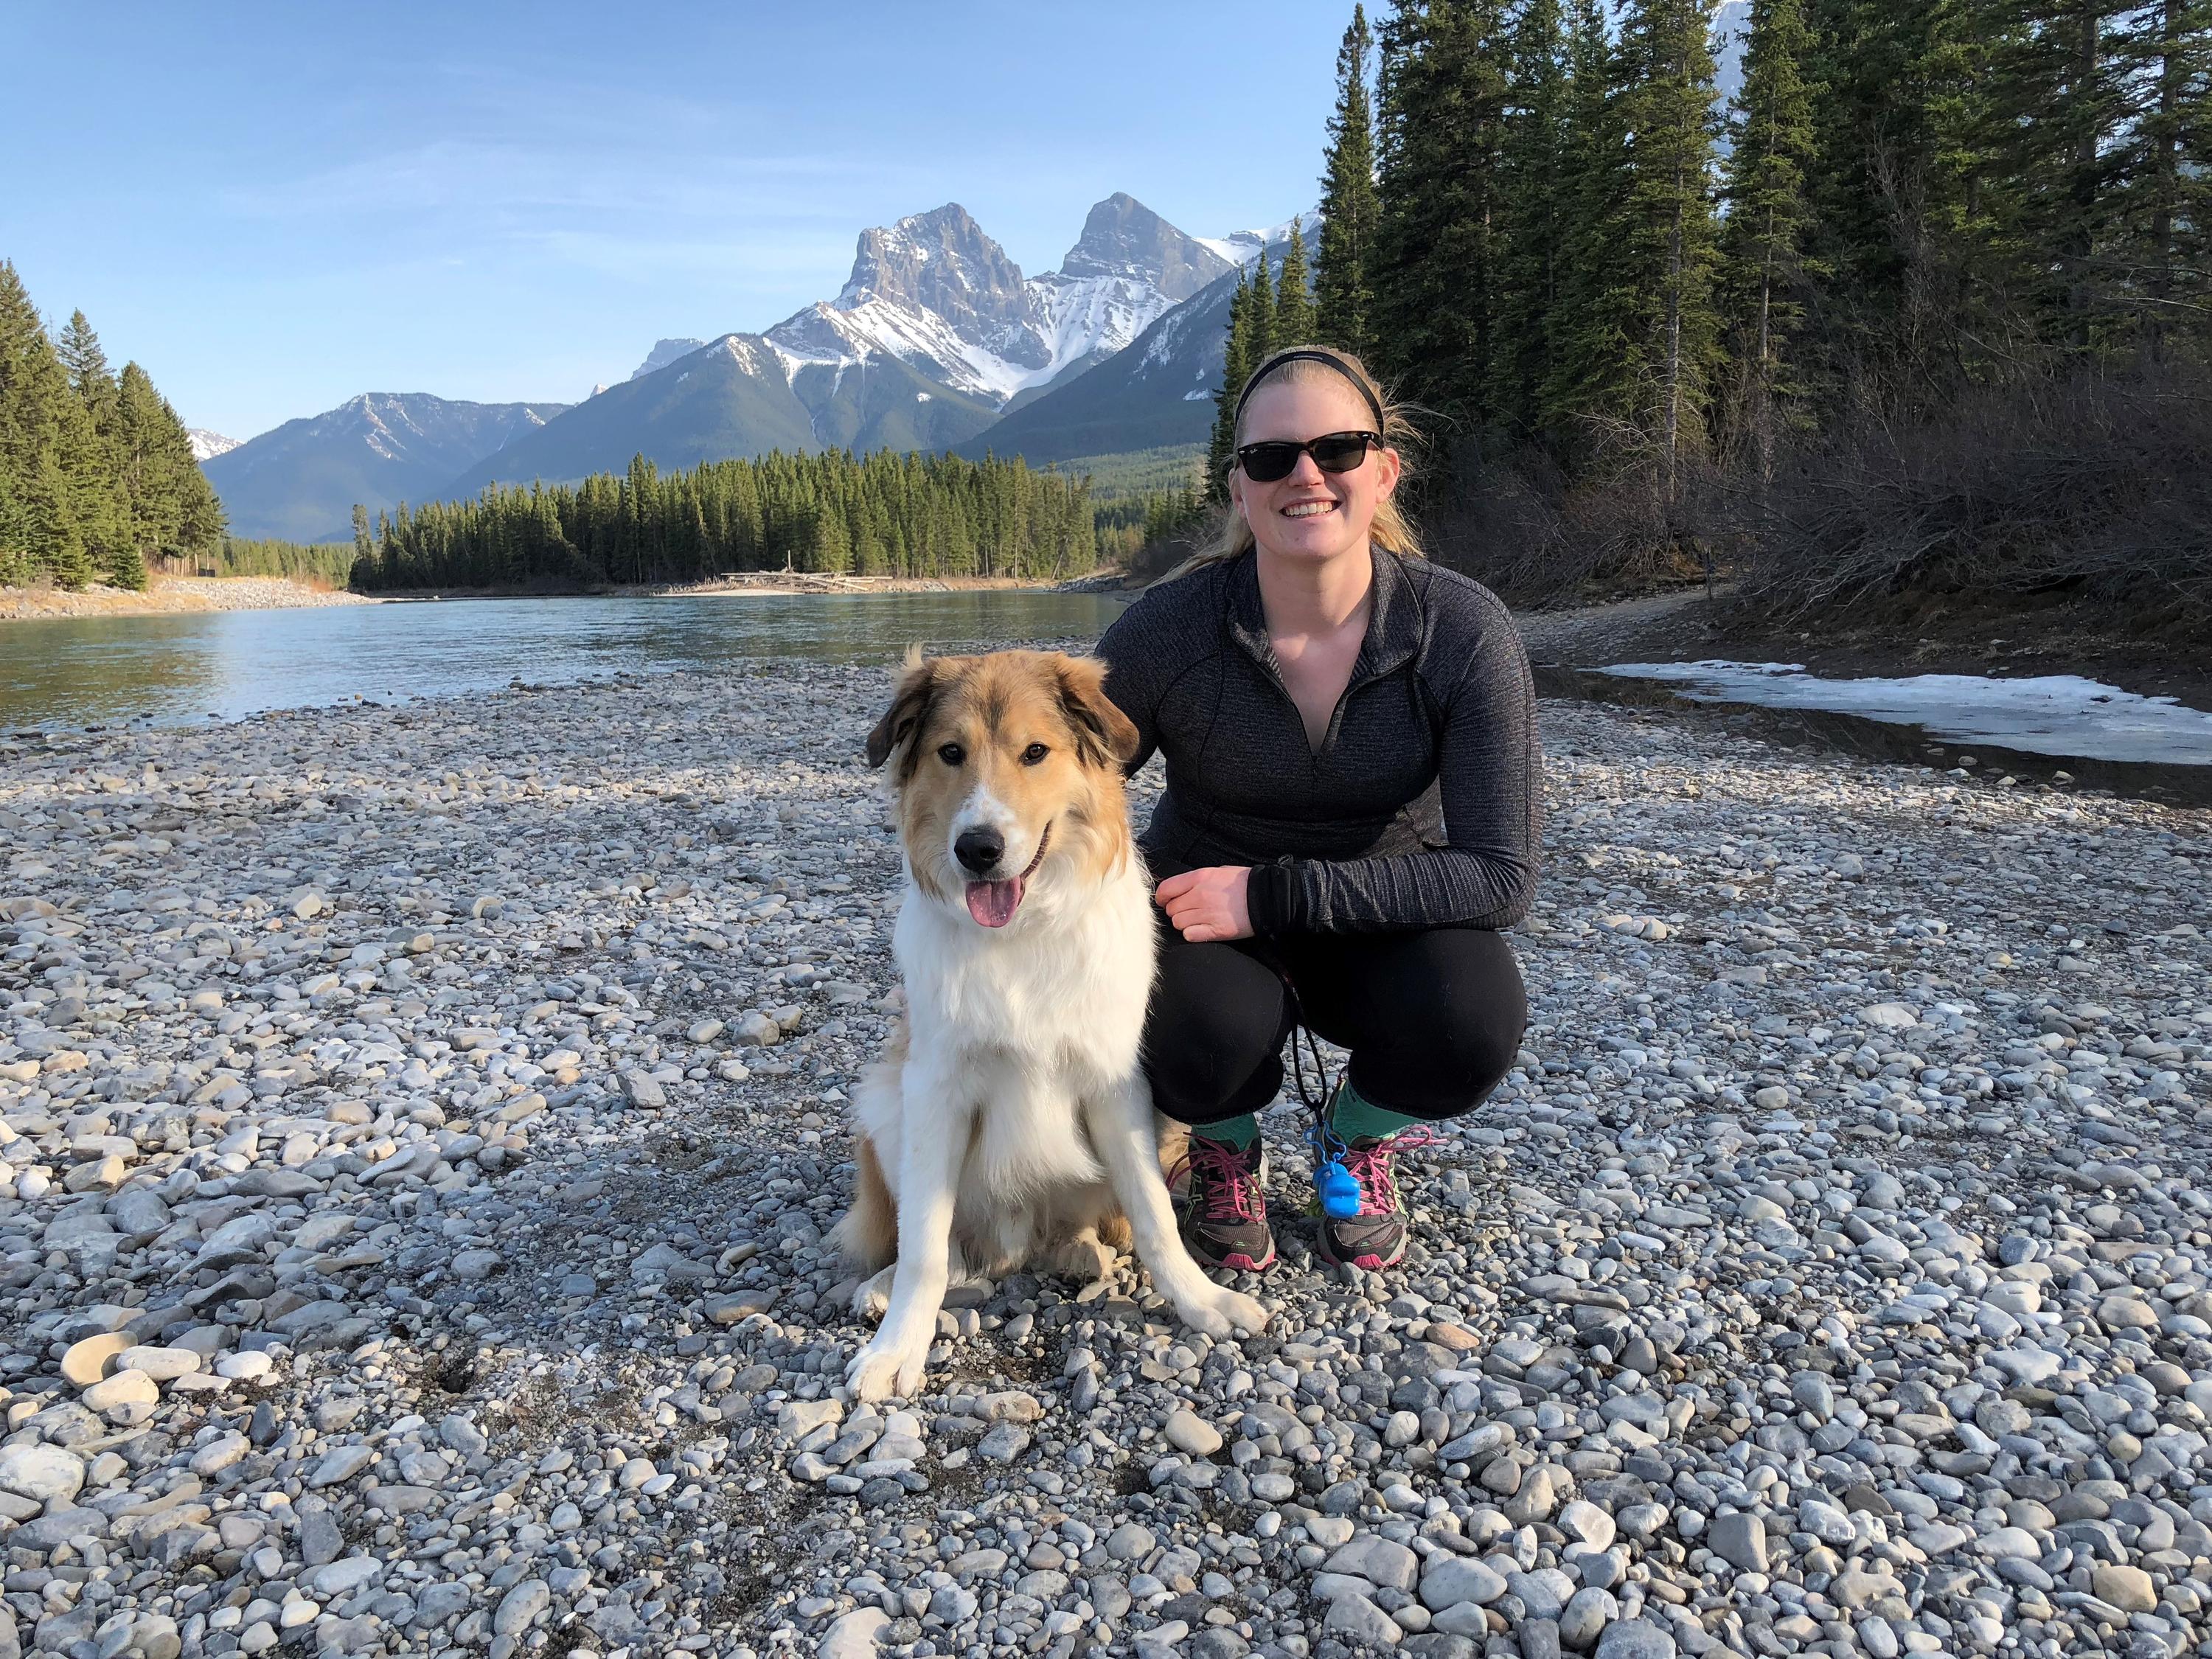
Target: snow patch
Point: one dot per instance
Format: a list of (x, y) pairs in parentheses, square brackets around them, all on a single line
[(2061, 714)]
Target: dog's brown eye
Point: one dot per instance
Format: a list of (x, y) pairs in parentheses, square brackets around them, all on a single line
[(951, 754), (1034, 753)]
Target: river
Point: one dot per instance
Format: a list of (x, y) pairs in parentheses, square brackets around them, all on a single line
[(170, 669), (80, 671)]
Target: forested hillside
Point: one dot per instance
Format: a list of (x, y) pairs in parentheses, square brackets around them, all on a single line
[(881, 514), (96, 471), (1926, 303)]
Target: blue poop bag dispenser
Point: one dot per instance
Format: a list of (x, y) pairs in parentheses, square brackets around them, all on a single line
[(1339, 1193)]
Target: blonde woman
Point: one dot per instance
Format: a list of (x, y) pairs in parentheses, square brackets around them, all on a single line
[(1352, 805)]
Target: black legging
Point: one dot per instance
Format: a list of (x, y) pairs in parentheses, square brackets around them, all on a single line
[(1433, 1019)]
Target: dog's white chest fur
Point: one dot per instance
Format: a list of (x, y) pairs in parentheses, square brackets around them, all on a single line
[(1027, 1024)]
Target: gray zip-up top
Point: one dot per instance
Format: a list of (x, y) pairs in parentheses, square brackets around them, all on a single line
[(1423, 805)]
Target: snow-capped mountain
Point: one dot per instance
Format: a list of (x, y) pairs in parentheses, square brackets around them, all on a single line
[(1155, 392), (663, 353), (301, 481), (1242, 247), (207, 445), (936, 292), (935, 331)]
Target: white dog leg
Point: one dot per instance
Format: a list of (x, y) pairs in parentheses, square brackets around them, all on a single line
[(1122, 1129), (933, 1140)]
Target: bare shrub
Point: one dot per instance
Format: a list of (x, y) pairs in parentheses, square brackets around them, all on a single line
[(1512, 520), (2074, 482)]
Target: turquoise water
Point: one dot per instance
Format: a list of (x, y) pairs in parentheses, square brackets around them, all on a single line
[(80, 671)]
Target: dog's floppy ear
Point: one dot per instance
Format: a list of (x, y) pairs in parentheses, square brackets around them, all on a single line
[(901, 721), (1106, 734)]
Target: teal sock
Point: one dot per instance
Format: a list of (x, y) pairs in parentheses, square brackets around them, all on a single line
[(1354, 1117), (1238, 1132)]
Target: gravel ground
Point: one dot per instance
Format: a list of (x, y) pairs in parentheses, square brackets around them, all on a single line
[(170, 594), (421, 1127)]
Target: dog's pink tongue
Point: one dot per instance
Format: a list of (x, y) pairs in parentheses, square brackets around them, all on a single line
[(993, 902)]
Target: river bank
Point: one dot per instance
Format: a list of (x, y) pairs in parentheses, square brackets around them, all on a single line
[(1957, 637), (175, 595), (167, 595), (422, 1125)]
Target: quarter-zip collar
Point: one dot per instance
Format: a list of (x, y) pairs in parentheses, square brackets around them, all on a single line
[(1394, 621)]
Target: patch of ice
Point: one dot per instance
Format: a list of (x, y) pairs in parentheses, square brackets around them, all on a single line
[(2050, 715)]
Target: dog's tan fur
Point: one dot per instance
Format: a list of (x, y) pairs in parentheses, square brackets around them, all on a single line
[(994, 708)]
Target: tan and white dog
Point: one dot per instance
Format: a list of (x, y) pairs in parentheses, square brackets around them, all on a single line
[(1008, 1121)]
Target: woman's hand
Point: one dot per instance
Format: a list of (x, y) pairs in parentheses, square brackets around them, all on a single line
[(1209, 903)]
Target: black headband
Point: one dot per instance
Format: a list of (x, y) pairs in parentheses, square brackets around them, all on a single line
[(1328, 357)]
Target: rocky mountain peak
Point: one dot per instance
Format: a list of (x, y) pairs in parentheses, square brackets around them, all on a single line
[(1122, 237), (942, 263)]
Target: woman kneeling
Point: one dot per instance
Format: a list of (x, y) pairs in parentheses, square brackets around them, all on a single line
[(1352, 805)]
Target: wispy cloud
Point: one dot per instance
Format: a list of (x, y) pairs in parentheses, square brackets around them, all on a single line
[(477, 176)]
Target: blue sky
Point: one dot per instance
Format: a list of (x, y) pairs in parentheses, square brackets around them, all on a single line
[(275, 206)]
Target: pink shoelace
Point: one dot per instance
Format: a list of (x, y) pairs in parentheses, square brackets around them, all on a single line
[(1228, 1174), (1371, 1167)]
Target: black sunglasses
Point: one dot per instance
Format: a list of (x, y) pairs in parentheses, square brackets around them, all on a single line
[(1332, 452)]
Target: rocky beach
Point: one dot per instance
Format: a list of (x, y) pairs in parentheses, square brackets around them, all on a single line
[(421, 1127)]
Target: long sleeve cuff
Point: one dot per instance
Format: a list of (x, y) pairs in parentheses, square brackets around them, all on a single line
[(1270, 897)]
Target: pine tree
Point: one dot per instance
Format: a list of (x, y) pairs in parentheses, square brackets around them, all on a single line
[(1260, 316), (2054, 119), (1763, 268), (1669, 241), (1236, 367), (86, 365), (1645, 346), (14, 533), (363, 547), (98, 469), (1436, 274), (57, 543), (1908, 213), (1534, 160), (1294, 303), (2162, 214), (203, 522), (153, 491), (1584, 344), (1343, 293), (101, 514)]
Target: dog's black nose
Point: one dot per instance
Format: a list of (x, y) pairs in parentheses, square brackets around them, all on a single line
[(979, 850)]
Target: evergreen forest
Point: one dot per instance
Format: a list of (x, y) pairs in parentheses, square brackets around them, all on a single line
[(830, 513), (97, 478), (1926, 304)]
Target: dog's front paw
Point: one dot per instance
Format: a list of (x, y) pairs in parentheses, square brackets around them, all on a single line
[(881, 1372), (1223, 1311), (872, 1296)]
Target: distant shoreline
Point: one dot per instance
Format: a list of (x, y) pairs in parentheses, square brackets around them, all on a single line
[(172, 596), (191, 595)]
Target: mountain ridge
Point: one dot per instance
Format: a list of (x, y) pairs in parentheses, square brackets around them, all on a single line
[(299, 481)]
